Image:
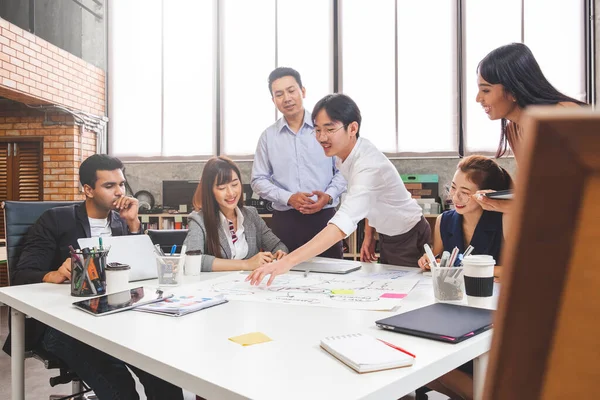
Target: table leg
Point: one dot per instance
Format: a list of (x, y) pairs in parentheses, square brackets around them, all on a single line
[(479, 370), (17, 359)]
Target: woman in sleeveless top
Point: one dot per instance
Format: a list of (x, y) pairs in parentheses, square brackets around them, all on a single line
[(509, 80), (469, 224)]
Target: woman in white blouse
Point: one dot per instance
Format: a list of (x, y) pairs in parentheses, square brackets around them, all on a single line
[(230, 236), (375, 191)]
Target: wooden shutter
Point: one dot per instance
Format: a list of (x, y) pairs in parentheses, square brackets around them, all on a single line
[(27, 173), (4, 182), (21, 172)]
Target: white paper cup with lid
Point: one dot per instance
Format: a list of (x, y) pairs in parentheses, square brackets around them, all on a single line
[(478, 272)]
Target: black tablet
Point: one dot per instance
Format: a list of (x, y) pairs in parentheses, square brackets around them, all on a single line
[(448, 323), (501, 194), (120, 301)]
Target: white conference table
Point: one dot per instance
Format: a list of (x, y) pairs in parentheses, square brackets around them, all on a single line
[(194, 352)]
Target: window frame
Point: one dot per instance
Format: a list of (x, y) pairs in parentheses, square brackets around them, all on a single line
[(462, 74)]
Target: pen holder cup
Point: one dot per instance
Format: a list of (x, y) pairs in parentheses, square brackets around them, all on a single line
[(170, 270), (88, 273), (448, 284)]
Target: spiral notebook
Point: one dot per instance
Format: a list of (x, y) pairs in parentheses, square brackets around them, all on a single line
[(179, 305), (364, 353)]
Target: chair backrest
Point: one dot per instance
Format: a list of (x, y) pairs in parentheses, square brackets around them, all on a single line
[(19, 216), (166, 238)]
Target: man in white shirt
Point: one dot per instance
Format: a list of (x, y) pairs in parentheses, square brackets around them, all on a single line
[(375, 191)]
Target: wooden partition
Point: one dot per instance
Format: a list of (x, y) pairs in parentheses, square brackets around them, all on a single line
[(546, 342)]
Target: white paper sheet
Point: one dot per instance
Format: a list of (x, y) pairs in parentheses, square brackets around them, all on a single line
[(324, 290)]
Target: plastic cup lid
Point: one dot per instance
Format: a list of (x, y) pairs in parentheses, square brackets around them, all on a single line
[(479, 259), (117, 267)]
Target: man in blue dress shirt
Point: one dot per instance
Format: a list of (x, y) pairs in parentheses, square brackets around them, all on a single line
[(291, 169)]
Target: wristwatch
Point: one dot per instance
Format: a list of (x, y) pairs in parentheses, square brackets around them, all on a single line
[(330, 202)]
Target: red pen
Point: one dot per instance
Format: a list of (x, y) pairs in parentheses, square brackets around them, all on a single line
[(393, 346)]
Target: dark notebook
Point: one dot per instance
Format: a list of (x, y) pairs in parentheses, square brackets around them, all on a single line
[(445, 322)]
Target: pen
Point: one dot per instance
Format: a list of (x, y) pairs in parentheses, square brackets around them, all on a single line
[(158, 250), (453, 257), (398, 348), (87, 270), (429, 253), (74, 254), (173, 249), (100, 243), (445, 258), (468, 251)]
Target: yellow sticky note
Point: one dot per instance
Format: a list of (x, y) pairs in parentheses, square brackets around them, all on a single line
[(342, 291), (250, 338), (178, 218), (145, 218)]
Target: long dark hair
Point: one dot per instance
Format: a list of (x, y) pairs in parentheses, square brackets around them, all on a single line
[(514, 67), (485, 173), (217, 171)]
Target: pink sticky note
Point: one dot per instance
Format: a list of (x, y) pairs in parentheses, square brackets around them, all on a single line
[(393, 295)]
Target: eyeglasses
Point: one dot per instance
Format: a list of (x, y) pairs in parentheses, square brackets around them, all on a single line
[(327, 132), (462, 197)]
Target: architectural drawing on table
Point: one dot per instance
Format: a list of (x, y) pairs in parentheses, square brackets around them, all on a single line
[(315, 284), (388, 274), (316, 289)]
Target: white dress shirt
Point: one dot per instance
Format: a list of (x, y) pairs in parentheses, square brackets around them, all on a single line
[(375, 191), (286, 162), (239, 249)]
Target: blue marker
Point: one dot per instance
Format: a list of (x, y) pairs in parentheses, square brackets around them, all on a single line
[(173, 249), (458, 261)]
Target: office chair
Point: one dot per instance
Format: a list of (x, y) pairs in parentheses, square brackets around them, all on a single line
[(166, 238), (421, 393), (19, 216)]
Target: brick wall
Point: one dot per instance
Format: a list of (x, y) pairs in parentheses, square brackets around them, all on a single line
[(33, 71)]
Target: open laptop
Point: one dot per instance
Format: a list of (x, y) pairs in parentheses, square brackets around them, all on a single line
[(135, 250), (328, 266), (448, 323)]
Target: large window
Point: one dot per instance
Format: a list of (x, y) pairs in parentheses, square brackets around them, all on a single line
[(134, 74), (369, 67), (161, 96), (488, 24), (188, 78), (427, 77), (400, 82), (248, 57), (552, 29), (276, 35)]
